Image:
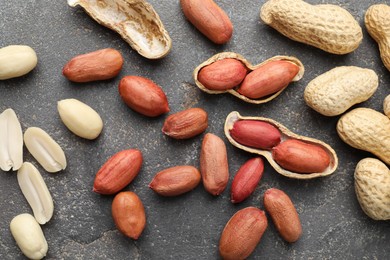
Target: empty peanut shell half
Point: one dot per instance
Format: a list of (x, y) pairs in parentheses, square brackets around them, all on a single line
[(291, 155), (135, 21), (36, 193), (44, 149), (229, 72), (11, 141)]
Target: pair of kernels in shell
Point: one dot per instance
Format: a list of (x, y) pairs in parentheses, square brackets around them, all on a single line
[(289, 154), (230, 72)]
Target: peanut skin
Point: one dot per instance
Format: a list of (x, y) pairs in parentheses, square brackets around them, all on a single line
[(186, 124), (209, 19), (242, 233), (98, 65), (128, 213), (143, 95), (118, 171), (214, 166), (283, 213), (302, 157), (175, 180), (256, 134), (246, 179), (268, 79), (223, 74)]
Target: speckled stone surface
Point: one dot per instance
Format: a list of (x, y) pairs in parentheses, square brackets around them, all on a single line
[(188, 226)]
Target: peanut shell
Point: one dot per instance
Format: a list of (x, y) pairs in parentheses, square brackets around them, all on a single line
[(328, 27), (250, 67), (286, 134), (368, 130), (335, 91), (372, 182), (377, 24), (135, 21)]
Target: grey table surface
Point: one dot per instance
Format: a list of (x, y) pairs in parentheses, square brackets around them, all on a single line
[(188, 226)]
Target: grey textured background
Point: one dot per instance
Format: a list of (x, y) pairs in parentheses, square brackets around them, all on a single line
[(189, 226)]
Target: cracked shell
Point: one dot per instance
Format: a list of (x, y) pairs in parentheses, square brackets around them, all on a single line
[(286, 134), (250, 68), (134, 20), (372, 182)]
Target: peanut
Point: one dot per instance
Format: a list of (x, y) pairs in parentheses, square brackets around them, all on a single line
[(36, 192), (377, 24), (297, 155), (79, 118), (143, 95), (246, 179), (268, 79), (386, 106), (283, 213), (98, 65), (367, 130), (11, 141), (16, 61), (255, 134), (135, 21), (29, 236), (242, 233), (44, 149), (327, 27), (128, 214), (175, 180), (186, 124), (302, 157), (214, 166), (223, 74), (209, 19), (118, 171), (372, 182), (335, 91)]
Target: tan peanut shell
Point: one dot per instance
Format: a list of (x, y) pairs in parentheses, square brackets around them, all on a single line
[(335, 91), (135, 21), (386, 106), (378, 26), (250, 67), (372, 187), (286, 135), (368, 130), (328, 27)]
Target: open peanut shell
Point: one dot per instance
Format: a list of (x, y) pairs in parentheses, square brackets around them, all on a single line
[(286, 134), (250, 67), (134, 20)]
